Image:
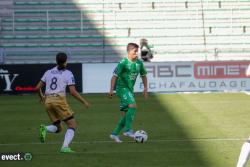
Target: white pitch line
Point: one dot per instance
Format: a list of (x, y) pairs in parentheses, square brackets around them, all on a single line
[(108, 152), (149, 141)]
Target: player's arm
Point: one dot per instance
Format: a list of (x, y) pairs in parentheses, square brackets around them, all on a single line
[(145, 85), (112, 85), (40, 92), (143, 74), (117, 72), (76, 95), (248, 71)]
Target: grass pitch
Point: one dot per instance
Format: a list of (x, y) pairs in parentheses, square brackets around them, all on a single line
[(185, 130)]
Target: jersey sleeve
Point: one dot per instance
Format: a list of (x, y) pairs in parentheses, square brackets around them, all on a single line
[(143, 71), (70, 79), (43, 79), (119, 68)]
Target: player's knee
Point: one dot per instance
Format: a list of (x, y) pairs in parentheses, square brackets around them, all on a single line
[(58, 125), (71, 123), (59, 129), (132, 106)]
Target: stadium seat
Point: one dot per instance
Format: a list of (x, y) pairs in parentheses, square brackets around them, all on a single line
[(175, 28)]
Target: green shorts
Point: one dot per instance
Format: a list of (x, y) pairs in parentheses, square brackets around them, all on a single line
[(126, 98)]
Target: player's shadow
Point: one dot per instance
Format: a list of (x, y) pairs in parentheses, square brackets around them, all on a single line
[(171, 143), (167, 131)]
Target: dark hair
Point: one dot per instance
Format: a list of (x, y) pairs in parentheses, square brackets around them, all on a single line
[(131, 46), (61, 59)]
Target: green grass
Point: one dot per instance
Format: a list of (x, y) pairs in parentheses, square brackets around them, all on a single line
[(185, 130)]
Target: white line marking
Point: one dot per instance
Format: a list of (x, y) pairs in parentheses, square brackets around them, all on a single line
[(149, 141)]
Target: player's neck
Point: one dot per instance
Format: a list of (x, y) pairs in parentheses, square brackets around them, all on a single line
[(61, 68), (132, 59)]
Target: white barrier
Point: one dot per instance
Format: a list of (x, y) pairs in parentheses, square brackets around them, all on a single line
[(175, 76)]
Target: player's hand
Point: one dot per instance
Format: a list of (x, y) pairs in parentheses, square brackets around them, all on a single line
[(111, 94), (145, 93), (42, 99), (87, 104)]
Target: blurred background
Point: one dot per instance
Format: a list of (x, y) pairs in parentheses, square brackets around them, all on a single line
[(32, 31)]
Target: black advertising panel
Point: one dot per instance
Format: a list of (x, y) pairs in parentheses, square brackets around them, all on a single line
[(22, 78)]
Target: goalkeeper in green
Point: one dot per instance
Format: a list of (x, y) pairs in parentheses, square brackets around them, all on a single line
[(123, 82)]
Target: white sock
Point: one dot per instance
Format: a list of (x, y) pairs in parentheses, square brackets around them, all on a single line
[(68, 137), (244, 154), (51, 128)]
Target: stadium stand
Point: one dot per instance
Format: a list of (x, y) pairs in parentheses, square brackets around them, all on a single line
[(98, 31)]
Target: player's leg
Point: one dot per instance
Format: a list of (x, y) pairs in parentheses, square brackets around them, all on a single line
[(53, 128), (130, 114), (66, 114), (42, 133), (118, 128), (56, 126), (120, 125), (244, 154), (69, 135)]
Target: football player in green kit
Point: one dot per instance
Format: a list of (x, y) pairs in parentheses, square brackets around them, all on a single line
[(123, 82)]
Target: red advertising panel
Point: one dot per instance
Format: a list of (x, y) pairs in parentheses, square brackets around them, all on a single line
[(220, 70)]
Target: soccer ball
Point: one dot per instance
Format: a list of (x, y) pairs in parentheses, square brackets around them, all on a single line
[(141, 136)]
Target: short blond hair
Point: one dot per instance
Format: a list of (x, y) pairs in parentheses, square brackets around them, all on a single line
[(131, 46)]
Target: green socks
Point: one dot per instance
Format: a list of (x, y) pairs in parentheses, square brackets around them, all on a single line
[(129, 118), (125, 121), (119, 126)]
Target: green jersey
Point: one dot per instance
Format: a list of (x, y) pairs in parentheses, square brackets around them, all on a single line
[(127, 72)]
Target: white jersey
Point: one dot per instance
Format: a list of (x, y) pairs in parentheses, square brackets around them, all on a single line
[(57, 80)]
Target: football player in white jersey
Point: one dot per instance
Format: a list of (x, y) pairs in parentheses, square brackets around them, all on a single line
[(55, 81), (245, 149)]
